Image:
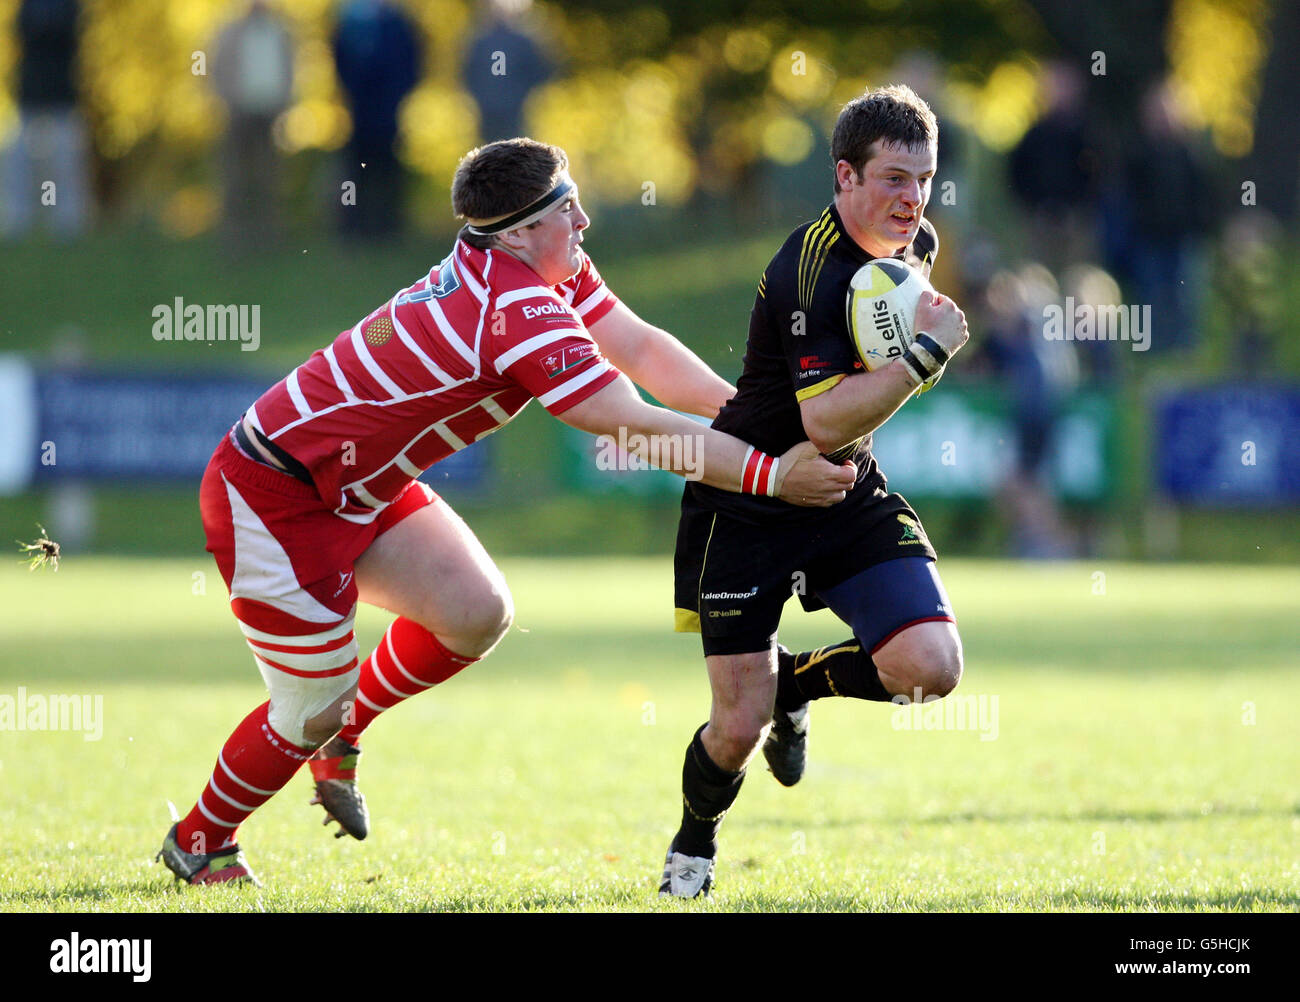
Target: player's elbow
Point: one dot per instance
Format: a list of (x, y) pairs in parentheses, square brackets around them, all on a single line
[(824, 436), (820, 424)]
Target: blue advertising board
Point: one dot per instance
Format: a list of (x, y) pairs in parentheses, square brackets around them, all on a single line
[(1233, 445), (105, 426)]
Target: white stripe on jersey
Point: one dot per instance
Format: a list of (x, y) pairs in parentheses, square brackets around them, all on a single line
[(452, 338), (538, 341), (401, 461), (365, 497), (576, 383), (495, 409), (295, 394), (340, 380), (372, 367), (449, 436), (476, 290), (414, 349), (406, 466), (592, 301), (363, 403), (532, 292)]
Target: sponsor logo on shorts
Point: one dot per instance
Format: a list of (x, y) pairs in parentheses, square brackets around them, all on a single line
[(911, 532), (720, 613), (731, 594)]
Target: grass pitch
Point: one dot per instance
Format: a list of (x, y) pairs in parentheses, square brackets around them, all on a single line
[(1126, 742)]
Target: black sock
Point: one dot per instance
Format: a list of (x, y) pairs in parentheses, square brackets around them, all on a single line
[(708, 791), (842, 669), (788, 695)]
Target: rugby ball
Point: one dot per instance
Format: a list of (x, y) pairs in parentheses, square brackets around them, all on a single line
[(882, 311)]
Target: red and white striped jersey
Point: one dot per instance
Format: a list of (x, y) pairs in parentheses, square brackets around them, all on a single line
[(444, 362)]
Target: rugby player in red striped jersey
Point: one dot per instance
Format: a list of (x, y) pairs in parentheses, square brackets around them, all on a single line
[(311, 503)]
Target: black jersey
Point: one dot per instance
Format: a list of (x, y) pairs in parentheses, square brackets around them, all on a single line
[(799, 346)]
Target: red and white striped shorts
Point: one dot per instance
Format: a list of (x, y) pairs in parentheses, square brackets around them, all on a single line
[(288, 563)]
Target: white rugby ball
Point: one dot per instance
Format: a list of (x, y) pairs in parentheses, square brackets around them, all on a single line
[(882, 311)]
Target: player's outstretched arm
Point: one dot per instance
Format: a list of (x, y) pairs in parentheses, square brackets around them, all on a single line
[(658, 362), (672, 442), (859, 404)]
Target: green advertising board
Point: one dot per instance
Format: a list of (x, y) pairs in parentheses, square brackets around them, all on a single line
[(956, 442)]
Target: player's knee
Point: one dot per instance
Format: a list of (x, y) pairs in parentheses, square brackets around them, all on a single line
[(320, 728), (734, 737), (933, 670), (488, 622), (731, 748)]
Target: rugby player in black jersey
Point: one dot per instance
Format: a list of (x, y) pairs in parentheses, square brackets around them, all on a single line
[(739, 558)]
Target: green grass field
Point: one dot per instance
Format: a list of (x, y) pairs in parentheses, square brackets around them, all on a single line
[(1141, 754)]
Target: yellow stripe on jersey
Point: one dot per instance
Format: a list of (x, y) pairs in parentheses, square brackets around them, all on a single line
[(817, 241), (813, 239), (685, 621), (762, 285), (822, 251), (808, 392)]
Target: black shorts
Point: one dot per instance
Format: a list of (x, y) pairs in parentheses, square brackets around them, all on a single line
[(732, 578)]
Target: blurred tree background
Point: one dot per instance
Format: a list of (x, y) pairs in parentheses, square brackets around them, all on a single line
[(715, 112), (699, 98)]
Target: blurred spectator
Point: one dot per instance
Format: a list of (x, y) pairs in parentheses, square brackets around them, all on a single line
[(1037, 375), (1053, 173), (951, 199), (1249, 281), (502, 66), (252, 71), (45, 167), (377, 54), (1168, 209)]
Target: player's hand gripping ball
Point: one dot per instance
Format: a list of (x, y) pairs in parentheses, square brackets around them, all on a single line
[(882, 310)]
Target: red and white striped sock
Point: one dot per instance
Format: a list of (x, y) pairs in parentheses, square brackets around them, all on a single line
[(407, 661), (253, 766)]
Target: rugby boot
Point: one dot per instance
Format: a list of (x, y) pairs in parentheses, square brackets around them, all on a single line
[(223, 866), (334, 768), (686, 876), (786, 747)]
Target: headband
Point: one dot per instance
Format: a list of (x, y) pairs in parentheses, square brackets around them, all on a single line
[(529, 214)]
